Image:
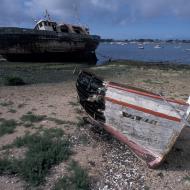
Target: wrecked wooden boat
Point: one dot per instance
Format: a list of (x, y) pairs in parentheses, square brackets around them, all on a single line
[(147, 122), (48, 41)]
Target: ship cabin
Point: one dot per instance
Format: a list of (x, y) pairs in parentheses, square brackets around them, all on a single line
[(48, 25), (68, 28)]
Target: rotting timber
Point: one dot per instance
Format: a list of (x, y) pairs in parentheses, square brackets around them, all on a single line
[(147, 122), (48, 41)]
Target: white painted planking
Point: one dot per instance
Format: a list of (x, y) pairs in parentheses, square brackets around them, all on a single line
[(122, 109), (146, 102), (153, 138)]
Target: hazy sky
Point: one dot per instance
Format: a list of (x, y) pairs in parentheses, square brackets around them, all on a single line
[(109, 18)]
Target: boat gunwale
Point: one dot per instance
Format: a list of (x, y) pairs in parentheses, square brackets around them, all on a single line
[(144, 93)]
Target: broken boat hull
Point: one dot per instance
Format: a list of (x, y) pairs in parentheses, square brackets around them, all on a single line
[(148, 123)]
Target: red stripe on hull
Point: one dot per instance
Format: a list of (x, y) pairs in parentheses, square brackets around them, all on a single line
[(151, 95), (143, 109)]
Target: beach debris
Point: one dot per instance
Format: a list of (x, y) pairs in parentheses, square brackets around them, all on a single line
[(147, 122)]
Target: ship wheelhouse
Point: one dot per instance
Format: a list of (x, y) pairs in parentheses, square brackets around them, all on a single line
[(46, 25)]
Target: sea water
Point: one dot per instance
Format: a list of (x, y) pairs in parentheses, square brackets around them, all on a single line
[(167, 52)]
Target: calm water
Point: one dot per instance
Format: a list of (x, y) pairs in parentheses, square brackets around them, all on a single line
[(174, 53)]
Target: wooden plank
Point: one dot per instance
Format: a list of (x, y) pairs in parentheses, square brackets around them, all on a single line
[(142, 92), (158, 114), (147, 103), (145, 117), (154, 138)]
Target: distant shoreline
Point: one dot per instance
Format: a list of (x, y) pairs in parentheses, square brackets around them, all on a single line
[(161, 64), (146, 40)]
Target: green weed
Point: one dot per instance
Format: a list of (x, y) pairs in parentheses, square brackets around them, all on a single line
[(32, 118), (7, 126), (82, 122), (77, 180), (14, 81), (57, 121), (5, 104), (186, 178), (8, 166), (12, 111), (22, 105), (44, 151), (60, 122)]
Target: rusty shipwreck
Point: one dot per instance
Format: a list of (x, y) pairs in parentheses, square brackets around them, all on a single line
[(147, 122), (48, 41)]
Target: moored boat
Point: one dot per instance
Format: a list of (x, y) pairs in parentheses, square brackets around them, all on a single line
[(140, 46), (158, 46), (147, 122), (48, 41)]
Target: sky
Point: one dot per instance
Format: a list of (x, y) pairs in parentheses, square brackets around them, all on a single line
[(118, 19)]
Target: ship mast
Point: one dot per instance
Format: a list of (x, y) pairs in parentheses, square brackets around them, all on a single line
[(47, 15), (76, 11)]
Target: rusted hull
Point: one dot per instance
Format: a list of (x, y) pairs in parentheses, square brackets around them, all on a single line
[(25, 44), (77, 57), (148, 123)]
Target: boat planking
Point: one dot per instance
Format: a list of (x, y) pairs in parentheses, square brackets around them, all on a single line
[(147, 122)]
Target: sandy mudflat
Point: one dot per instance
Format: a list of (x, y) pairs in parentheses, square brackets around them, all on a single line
[(50, 91)]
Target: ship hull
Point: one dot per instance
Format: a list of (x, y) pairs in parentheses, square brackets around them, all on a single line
[(18, 44), (148, 123), (79, 57)]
